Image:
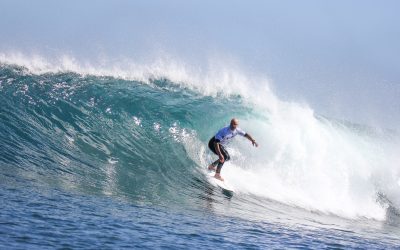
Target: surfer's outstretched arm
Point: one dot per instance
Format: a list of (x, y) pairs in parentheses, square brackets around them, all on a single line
[(251, 139)]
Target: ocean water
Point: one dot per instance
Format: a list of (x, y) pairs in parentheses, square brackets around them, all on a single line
[(91, 158)]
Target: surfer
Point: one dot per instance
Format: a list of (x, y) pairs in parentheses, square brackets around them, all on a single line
[(217, 142)]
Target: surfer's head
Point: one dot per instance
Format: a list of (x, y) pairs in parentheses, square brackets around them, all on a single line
[(234, 123)]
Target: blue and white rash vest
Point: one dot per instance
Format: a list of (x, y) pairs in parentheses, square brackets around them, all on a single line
[(225, 134)]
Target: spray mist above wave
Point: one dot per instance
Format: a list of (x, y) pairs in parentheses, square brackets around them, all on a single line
[(217, 78), (304, 160)]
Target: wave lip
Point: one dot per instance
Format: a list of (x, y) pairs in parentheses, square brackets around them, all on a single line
[(218, 78)]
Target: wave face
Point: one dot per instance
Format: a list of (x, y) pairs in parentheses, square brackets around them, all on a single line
[(145, 140)]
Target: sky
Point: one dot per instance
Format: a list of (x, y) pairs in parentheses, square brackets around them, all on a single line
[(340, 57)]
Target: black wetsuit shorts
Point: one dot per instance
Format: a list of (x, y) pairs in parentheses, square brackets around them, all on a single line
[(222, 148)]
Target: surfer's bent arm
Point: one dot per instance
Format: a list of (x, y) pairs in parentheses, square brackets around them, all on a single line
[(251, 139)]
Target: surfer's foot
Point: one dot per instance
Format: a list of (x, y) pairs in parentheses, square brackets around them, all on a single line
[(218, 176), (212, 167)]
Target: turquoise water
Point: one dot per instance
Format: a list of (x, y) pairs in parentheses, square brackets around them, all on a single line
[(98, 161)]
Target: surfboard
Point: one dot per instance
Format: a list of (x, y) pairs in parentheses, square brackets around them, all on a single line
[(224, 185)]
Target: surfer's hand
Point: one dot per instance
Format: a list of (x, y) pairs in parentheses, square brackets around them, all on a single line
[(254, 143), (221, 159)]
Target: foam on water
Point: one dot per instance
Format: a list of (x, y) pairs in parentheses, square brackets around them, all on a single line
[(310, 163)]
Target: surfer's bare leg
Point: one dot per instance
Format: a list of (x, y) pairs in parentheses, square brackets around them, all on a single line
[(218, 171), (213, 165)]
